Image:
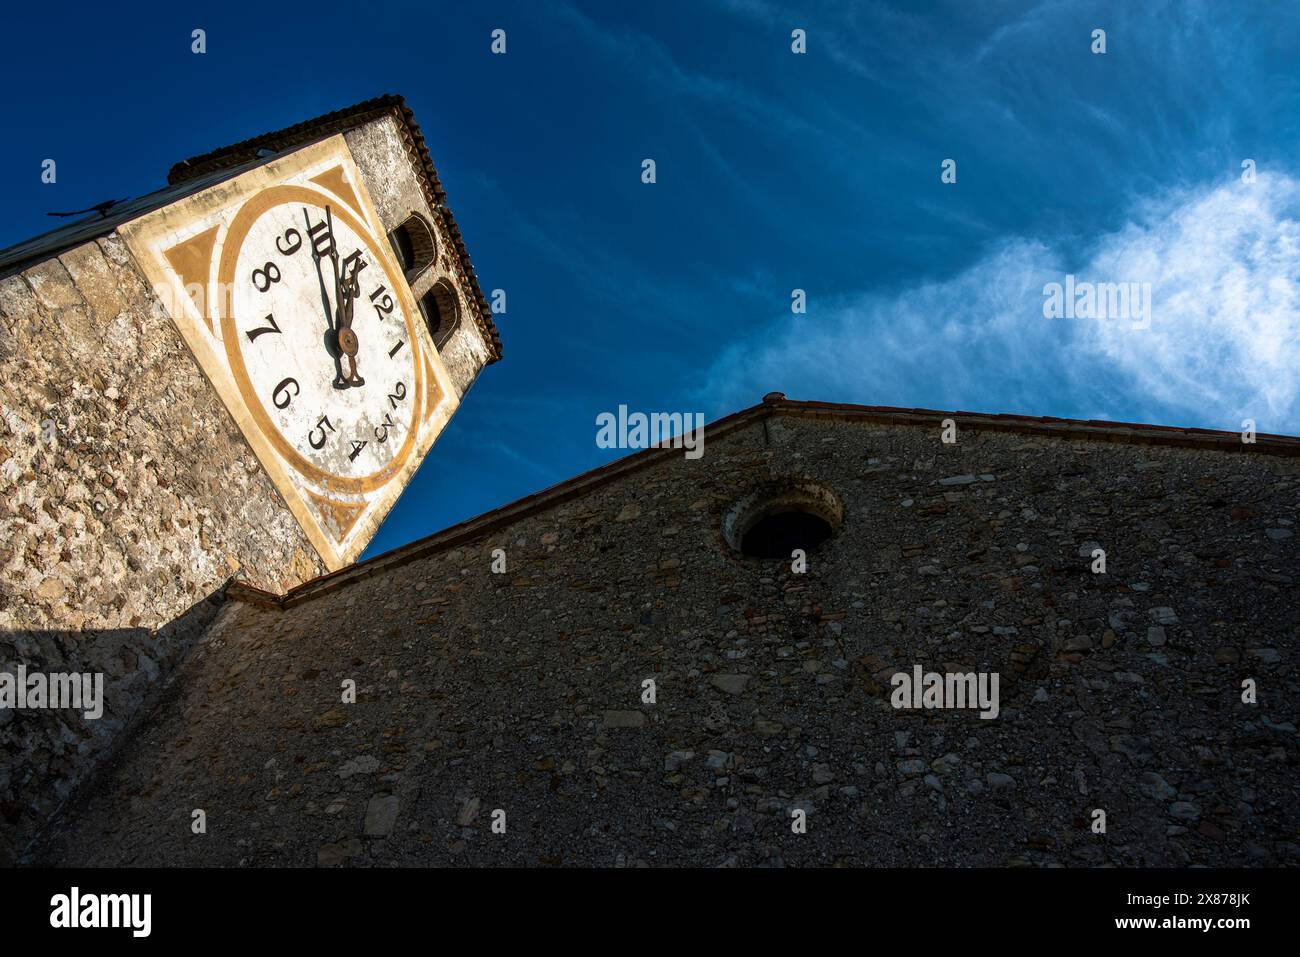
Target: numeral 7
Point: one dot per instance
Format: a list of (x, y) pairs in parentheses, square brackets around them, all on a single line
[(263, 330)]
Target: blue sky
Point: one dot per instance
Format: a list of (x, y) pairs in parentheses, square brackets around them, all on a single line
[(775, 171)]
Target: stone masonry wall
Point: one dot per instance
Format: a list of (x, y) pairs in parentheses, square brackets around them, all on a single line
[(127, 498), (394, 187), (522, 691)]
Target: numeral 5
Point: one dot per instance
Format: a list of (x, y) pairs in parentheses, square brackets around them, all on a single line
[(321, 426)]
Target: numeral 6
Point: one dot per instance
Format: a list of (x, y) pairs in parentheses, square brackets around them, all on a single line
[(283, 387)]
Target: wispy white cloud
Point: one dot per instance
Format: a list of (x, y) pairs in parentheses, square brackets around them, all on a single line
[(1028, 24), (549, 475), (1223, 261)]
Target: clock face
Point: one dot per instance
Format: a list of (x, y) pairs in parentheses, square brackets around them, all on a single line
[(321, 339), (282, 282), (318, 342)]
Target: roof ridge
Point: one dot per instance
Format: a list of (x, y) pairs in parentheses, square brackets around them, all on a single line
[(214, 159), (774, 403)]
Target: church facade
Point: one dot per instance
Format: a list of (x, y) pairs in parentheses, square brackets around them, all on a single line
[(677, 659)]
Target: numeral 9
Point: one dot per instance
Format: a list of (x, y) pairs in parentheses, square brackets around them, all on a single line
[(286, 238)]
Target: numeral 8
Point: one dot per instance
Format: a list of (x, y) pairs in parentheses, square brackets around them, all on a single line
[(270, 273)]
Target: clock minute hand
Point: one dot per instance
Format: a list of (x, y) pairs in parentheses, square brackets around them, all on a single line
[(339, 290), (319, 243), (338, 338)]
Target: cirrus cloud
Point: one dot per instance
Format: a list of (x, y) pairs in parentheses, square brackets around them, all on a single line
[(1223, 263)]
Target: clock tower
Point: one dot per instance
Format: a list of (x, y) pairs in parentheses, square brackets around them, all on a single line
[(301, 314), (233, 377), (312, 285)]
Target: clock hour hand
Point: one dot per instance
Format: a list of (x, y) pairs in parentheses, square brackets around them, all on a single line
[(349, 287), (349, 291)]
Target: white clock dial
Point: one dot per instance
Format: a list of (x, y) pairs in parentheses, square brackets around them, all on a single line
[(324, 339)]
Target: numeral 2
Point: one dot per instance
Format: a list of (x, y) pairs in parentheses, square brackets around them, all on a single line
[(385, 305)]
